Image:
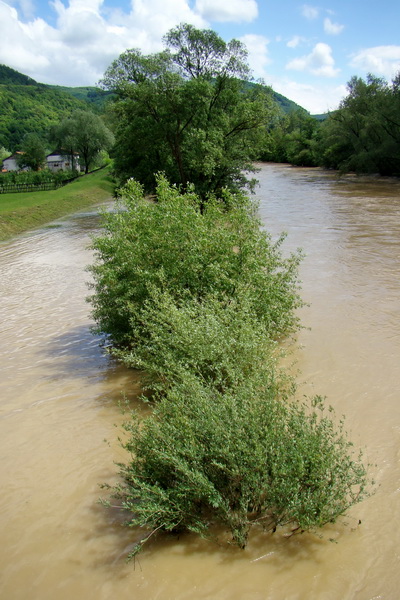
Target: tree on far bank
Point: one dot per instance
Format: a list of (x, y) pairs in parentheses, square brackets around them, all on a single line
[(187, 111), (84, 133), (293, 139), (363, 135)]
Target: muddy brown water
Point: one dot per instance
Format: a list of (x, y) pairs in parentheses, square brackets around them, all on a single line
[(59, 396)]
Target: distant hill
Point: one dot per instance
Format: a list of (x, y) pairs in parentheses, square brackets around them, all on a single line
[(10, 76), (285, 104), (321, 117), (94, 96), (28, 106)]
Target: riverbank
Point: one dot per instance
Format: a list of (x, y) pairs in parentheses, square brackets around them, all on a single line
[(24, 211)]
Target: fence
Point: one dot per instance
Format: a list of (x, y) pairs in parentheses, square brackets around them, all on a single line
[(43, 186)]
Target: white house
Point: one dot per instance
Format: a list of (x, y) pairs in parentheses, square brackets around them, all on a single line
[(11, 163), (60, 161)]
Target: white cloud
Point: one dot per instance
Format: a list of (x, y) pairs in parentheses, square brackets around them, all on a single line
[(27, 7), (231, 10), (379, 60), (257, 46), (332, 28), (310, 12), (295, 41), (319, 62), (17, 45), (82, 44)]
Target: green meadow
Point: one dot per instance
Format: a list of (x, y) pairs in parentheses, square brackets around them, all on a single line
[(21, 212)]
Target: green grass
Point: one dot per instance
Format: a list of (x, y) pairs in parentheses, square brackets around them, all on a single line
[(25, 211)]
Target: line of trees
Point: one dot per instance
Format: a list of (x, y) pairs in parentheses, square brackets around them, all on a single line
[(191, 290), (363, 135), (83, 133)]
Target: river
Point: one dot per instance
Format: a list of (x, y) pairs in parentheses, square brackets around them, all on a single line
[(60, 395)]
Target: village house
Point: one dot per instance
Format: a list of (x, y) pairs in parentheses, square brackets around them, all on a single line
[(56, 161), (60, 161), (11, 163)]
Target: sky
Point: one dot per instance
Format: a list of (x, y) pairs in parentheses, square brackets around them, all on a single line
[(305, 51)]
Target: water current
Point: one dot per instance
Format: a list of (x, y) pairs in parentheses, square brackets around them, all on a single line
[(60, 395)]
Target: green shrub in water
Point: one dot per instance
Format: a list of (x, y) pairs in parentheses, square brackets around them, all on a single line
[(218, 340), (176, 245), (196, 296), (238, 459)]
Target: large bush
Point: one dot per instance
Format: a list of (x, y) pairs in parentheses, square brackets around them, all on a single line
[(191, 251), (241, 458), (221, 343)]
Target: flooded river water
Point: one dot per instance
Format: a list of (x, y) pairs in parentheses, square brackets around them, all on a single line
[(59, 396)]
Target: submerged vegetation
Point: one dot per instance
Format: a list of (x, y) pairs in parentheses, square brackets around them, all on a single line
[(190, 289), (198, 297)]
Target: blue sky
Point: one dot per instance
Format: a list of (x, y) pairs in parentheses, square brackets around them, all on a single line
[(306, 51)]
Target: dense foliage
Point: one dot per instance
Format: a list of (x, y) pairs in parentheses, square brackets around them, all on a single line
[(190, 251), (293, 139), (29, 107), (187, 112), (197, 299), (239, 458), (363, 135)]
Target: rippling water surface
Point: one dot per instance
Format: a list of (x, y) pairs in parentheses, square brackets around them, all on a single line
[(59, 396)]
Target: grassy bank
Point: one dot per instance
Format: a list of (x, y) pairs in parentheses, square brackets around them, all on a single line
[(21, 212)]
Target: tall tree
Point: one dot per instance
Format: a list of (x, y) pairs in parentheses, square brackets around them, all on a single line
[(187, 111), (33, 152), (84, 133)]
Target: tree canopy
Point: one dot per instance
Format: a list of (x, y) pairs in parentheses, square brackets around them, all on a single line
[(33, 153), (363, 135), (84, 133), (187, 112)]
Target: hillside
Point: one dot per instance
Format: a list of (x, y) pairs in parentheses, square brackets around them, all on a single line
[(285, 104), (95, 97), (28, 106), (98, 97)]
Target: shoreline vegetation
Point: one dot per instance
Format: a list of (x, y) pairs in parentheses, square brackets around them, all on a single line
[(20, 212)]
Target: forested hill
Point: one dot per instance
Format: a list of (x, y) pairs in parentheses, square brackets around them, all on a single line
[(28, 106), (94, 96), (10, 76), (98, 97), (285, 104)]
